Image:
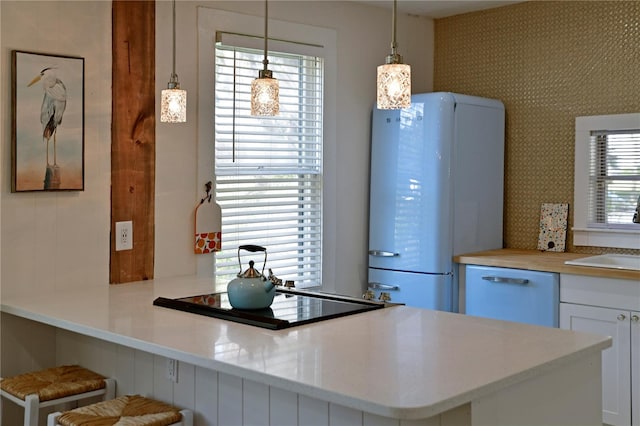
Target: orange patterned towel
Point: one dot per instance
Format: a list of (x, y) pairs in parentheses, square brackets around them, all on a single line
[(208, 242), (130, 410), (207, 224), (53, 383)]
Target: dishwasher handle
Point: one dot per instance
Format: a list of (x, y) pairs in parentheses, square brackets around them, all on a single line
[(506, 280), (387, 287)]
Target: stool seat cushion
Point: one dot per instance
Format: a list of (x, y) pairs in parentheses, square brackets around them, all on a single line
[(53, 383), (129, 410)]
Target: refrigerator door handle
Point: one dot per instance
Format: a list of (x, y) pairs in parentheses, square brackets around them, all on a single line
[(379, 286), (506, 280), (382, 253)]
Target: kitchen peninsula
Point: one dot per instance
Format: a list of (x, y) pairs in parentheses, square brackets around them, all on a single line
[(393, 366)]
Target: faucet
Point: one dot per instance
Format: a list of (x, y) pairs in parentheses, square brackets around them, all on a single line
[(636, 215)]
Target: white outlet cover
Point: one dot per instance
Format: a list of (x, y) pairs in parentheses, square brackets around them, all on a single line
[(124, 235), (172, 370)]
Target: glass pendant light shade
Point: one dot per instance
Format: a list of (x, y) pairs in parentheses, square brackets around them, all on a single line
[(173, 102), (173, 106), (394, 77), (394, 86), (265, 90), (265, 93)]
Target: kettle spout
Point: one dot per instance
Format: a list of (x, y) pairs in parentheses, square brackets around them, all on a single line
[(268, 286)]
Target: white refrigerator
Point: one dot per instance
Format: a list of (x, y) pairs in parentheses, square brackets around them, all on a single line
[(436, 190)]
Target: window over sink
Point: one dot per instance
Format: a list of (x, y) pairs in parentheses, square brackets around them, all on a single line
[(607, 181)]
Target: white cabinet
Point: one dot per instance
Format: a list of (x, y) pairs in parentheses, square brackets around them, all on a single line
[(616, 360), (609, 307)]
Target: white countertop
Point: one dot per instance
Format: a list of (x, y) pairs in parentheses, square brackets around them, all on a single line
[(398, 362)]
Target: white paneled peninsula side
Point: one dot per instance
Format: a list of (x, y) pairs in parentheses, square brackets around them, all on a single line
[(394, 366)]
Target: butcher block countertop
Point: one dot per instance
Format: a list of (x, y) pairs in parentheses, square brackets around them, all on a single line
[(542, 261)]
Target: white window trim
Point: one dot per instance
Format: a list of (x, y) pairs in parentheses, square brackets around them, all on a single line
[(209, 22), (583, 235)]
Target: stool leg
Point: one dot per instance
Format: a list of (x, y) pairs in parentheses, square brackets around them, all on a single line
[(110, 389), (187, 417), (52, 419), (31, 409)]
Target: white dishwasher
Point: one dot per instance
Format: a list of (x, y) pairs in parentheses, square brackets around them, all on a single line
[(518, 295)]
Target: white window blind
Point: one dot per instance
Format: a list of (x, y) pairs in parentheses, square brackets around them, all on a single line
[(269, 169), (614, 178)]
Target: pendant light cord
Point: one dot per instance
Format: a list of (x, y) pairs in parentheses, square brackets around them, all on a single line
[(173, 73), (393, 29), (265, 61), (394, 58)]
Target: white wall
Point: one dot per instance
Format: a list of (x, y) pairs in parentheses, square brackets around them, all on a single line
[(56, 240), (51, 240)]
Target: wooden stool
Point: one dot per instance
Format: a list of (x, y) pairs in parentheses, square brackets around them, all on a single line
[(132, 410), (52, 386)]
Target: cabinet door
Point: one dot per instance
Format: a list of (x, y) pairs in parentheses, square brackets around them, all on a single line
[(635, 368), (616, 360)]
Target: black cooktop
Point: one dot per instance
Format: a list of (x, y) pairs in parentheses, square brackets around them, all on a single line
[(289, 308)]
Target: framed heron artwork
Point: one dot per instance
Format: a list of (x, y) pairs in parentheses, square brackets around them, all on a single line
[(47, 133)]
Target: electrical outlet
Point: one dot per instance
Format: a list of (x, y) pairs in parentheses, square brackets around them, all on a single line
[(172, 370), (124, 235)]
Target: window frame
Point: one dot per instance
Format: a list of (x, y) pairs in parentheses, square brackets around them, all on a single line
[(583, 233), (212, 21), (280, 183)]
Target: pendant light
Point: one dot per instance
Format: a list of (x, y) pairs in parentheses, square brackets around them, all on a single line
[(394, 77), (265, 89), (173, 106)]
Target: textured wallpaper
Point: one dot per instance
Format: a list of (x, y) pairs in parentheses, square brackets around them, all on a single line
[(549, 62)]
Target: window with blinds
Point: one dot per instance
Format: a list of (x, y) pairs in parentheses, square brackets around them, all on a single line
[(614, 178), (269, 169)]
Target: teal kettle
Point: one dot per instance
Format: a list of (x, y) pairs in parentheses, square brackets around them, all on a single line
[(251, 289)]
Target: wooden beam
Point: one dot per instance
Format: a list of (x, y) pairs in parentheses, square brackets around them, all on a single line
[(133, 137)]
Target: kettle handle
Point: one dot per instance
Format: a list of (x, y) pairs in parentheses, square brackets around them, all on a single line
[(253, 248)]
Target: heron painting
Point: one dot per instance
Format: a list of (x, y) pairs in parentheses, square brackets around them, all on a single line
[(48, 122)]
